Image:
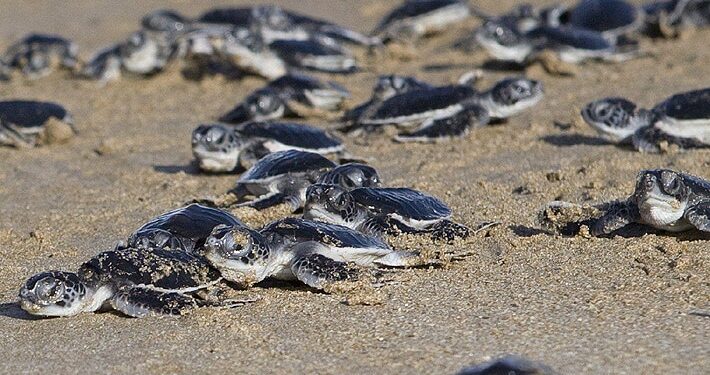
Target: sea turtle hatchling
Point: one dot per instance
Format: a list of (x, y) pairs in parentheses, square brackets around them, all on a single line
[(450, 111), (509, 365), (293, 95), (136, 282), (221, 148), (315, 253), (184, 228), (385, 87), (26, 123), (662, 199), (280, 177), (682, 120), (377, 211), (37, 55), (669, 18), (416, 18), (609, 17)]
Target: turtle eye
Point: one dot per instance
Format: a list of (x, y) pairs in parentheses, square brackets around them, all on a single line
[(671, 183), (49, 288), (265, 102)]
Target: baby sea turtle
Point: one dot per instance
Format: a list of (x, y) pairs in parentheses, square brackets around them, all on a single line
[(183, 229), (670, 17), (451, 111), (136, 282), (682, 120), (280, 177), (37, 55), (377, 211), (317, 254), (291, 95), (609, 17), (552, 45), (221, 148), (416, 18), (385, 87), (663, 199), (26, 123), (350, 176), (144, 53), (509, 365), (316, 54), (275, 23)]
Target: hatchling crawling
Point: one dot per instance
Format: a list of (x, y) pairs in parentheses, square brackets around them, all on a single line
[(682, 120), (315, 253), (183, 229), (663, 199), (378, 211), (136, 282), (26, 123), (293, 95), (37, 55), (222, 148), (416, 18), (442, 112)]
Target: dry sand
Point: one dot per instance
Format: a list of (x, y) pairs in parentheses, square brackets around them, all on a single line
[(621, 305)]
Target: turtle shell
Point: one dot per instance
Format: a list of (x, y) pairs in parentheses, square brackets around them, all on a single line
[(290, 134), (404, 202), (28, 113), (351, 175), (190, 225), (156, 268), (570, 37), (283, 162), (416, 102), (301, 230), (232, 16), (603, 15), (691, 105), (412, 9)]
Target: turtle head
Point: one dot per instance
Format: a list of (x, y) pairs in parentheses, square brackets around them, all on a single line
[(235, 252), (271, 16), (514, 95), (661, 196), (261, 106), (330, 203), (351, 175), (53, 293), (615, 118), (164, 20), (503, 41), (216, 148)]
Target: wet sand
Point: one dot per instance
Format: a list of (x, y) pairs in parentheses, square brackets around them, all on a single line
[(581, 305)]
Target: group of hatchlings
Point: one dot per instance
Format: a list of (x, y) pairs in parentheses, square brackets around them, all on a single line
[(175, 261)]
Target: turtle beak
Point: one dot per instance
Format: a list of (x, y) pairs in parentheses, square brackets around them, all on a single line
[(237, 115)]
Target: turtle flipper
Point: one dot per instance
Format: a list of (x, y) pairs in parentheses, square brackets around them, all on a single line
[(138, 302), (317, 270), (617, 215), (448, 231), (265, 201), (400, 259), (652, 140), (455, 126), (11, 135), (699, 216)]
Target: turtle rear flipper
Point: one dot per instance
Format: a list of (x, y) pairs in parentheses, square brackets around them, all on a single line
[(617, 215), (317, 270), (139, 302), (654, 140), (699, 216), (448, 231), (455, 126), (12, 135)]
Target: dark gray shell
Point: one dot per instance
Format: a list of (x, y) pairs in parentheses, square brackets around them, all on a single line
[(570, 37), (603, 15), (233, 16), (165, 20), (185, 228), (422, 101), (350, 176), (295, 230), (691, 105), (412, 9), (283, 162), (156, 268), (290, 134), (404, 202), (296, 52), (30, 114)]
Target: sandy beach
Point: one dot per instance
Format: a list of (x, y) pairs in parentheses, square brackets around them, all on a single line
[(580, 305)]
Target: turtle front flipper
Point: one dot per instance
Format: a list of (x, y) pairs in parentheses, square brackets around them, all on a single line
[(318, 271), (617, 215), (447, 230), (654, 140), (139, 302), (265, 201), (455, 126), (699, 216)]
